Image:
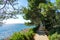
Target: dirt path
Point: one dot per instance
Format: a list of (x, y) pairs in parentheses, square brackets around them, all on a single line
[(40, 36)]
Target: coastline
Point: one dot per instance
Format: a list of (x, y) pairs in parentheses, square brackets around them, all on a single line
[(24, 30)]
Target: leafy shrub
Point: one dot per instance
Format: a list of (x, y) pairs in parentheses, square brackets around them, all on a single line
[(23, 35), (55, 36), (52, 31)]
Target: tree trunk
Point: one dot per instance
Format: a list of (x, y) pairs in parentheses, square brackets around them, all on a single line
[(36, 28)]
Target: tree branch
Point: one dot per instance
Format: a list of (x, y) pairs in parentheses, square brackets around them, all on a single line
[(4, 5), (12, 6)]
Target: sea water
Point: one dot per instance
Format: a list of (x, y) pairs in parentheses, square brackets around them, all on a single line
[(7, 30)]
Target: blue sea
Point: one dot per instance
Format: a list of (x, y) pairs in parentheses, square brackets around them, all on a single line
[(6, 30)]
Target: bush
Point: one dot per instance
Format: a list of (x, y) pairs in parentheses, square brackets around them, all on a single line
[(23, 35), (55, 36)]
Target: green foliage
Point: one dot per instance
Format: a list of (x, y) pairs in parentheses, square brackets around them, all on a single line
[(1, 1), (23, 35), (40, 11), (32, 12), (55, 36), (58, 4), (28, 23), (55, 29)]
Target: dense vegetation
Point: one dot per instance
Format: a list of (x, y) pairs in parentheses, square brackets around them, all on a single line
[(41, 12), (23, 35), (54, 34), (44, 12), (38, 12)]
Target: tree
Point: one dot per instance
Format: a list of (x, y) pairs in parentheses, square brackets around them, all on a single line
[(58, 4), (7, 9), (5, 2), (40, 11)]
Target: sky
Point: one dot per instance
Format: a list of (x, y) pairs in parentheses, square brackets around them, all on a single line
[(14, 21), (20, 19), (53, 1)]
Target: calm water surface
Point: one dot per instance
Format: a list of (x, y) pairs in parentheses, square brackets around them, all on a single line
[(7, 30)]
